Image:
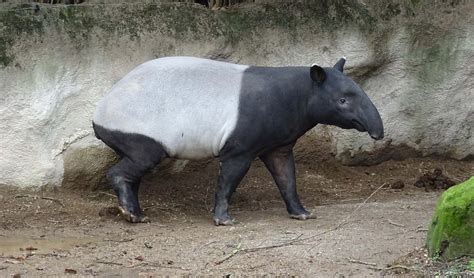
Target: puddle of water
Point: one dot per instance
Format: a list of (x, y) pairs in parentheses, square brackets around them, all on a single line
[(10, 246)]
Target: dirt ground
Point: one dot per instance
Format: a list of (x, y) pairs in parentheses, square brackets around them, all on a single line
[(67, 231)]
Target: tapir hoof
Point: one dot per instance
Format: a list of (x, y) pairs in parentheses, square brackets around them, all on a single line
[(132, 218), (303, 216), (225, 222)]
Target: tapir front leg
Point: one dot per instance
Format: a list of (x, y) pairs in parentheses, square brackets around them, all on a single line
[(231, 173), (280, 162)]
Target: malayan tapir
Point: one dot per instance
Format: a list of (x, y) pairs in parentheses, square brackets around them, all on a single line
[(193, 108)]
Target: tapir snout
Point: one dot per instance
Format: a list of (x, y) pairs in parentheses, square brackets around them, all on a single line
[(373, 123)]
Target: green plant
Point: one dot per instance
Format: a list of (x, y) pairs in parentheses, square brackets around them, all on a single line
[(470, 267)]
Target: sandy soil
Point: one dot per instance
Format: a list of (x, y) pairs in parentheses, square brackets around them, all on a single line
[(70, 231)]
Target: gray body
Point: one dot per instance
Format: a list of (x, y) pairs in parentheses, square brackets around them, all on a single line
[(189, 105), (194, 108)]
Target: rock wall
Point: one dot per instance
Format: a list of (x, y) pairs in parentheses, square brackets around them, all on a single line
[(413, 58)]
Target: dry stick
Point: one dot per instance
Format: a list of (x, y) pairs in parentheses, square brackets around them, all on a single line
[(394, 267), (396, 224), (40, 197), (12, 262), (249, 250), (286, 243), (235, 251), (31, 226), (209, 243), (298, 238), (154, 264), (204, 245), (107, 194), (360, 262), (104, 262), (120, 240), (137, 264)]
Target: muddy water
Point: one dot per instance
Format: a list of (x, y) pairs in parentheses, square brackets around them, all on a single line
[(11, 245)]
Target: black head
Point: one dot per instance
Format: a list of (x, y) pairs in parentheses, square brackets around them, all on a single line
[(341, 102)]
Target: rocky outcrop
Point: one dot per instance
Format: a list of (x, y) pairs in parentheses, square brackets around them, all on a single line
[(413, 58)]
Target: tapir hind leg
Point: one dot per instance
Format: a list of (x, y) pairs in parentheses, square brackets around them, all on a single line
[(139, 154), (280, 162), (125, 179), (231, 172)]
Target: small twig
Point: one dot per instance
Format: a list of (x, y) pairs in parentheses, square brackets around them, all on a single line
[(421, 229), (29, 225), (120, 240), (55, 255), (53, 199), (12, 261), (360, 262), (40, 197), (256, 266), (26, 196), (235, 251), (111, 263), (360, 205), (209, 243), (135, 265), (169, 266), (206, 244), (394, 267), (396, 224), (255, 249), (108, 194), (286, 243), (154, 264)]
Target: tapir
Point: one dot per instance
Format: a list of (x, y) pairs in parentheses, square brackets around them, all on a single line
[(193, 108)]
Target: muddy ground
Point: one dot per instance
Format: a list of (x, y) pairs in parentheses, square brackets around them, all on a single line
[(70, 231)]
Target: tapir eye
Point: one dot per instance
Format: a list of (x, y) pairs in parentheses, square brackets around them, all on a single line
[(342, 100)]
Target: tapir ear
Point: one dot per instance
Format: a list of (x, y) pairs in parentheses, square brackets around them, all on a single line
[(340, 64), (317, 73)]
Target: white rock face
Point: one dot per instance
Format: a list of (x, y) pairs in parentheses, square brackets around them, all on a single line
[(426, 103), (422, 86)]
